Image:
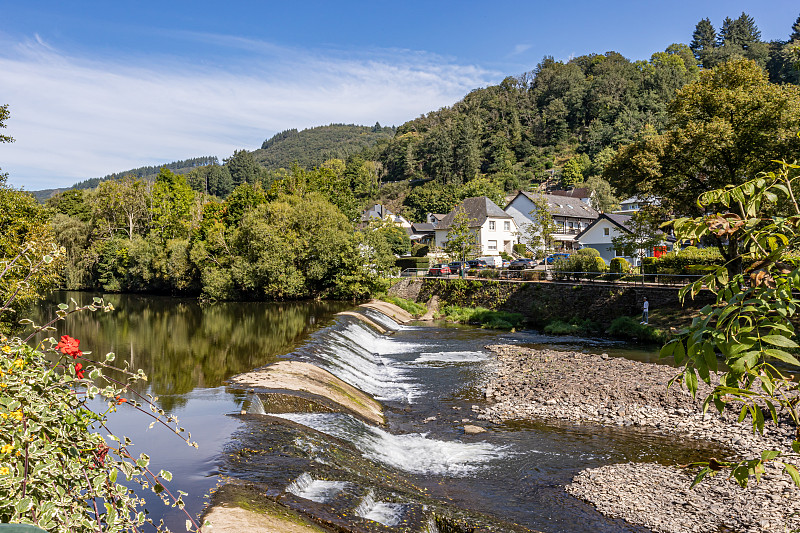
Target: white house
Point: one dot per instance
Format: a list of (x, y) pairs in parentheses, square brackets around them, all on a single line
[(571, 215), (495, 229), (379, 212), (633, 204), (599, 233)]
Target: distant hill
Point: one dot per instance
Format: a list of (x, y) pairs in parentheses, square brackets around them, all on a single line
[(149, 173), (312, 147)]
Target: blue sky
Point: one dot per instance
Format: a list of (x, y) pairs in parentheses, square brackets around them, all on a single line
[(100, 87)]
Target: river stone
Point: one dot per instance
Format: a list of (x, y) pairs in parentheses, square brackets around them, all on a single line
[(470, 429)]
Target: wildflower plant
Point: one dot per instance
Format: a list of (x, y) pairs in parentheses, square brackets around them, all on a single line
[(61, 468)]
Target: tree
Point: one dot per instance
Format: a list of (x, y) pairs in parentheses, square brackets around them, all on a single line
[(752, 325), (642, 236), (704, 41), (461, 240), (539, 232), (122, 204), (724, 129), (4, 114), (242, 167), (795, 35), (171, 204)]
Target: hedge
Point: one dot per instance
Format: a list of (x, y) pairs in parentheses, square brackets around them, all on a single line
[(412, 262)]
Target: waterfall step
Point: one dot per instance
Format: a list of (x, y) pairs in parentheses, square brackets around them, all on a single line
[(365, 319), (397, 313), (308, 381)]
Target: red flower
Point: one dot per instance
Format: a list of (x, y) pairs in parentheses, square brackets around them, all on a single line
[(69, 346), (101, 452), (79, 370), (121, 400)]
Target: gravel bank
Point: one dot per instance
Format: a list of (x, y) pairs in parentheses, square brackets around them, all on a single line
[(548, 384)]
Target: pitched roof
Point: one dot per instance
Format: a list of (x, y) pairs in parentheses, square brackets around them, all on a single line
[(565, 205), (580, 192), (618, 220), (419, 227), (478, 209)]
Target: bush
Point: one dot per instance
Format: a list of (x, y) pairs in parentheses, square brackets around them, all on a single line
[(626, 327), (489, 274), (573, 327), (520, 249), (586, 260), (532, 275), (619, 265), (408, 305), (486, 318), (419, 250), (412, 262)]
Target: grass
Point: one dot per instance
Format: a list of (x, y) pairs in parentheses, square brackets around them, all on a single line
[(407, 305), (573, 327), (485, 318)]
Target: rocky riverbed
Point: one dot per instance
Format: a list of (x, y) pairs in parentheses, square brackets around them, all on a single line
[(587, 388)]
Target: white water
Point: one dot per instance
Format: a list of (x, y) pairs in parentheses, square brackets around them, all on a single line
[(256, 405), (353, 356), (451, 357), (412, 452), (388, 514), (374, 342), (385, 321), (316, 490)]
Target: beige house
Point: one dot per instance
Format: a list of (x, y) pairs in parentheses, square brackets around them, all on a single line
[(495, 230)]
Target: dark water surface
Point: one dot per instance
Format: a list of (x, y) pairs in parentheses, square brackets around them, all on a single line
[(429, 376)]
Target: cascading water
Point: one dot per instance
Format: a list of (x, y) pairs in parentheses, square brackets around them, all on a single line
[(388, 514), (355, 355), (411, 452), (316, 490), (385, 321), (256, 405), (451, 357)]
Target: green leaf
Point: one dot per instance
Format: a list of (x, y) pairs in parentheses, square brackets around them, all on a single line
[(796, 446), (699, 477), (779, 340), (710, 357), (769, 455), (792, 471), (691, 381), (782, 356)]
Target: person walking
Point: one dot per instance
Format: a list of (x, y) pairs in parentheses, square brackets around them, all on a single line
[(645, 310)]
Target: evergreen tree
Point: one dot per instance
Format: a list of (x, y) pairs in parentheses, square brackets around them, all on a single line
[(243, 167), (704, 40), (725, 32), (795, 36)]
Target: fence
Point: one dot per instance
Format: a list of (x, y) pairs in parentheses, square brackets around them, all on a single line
[(664, 280)]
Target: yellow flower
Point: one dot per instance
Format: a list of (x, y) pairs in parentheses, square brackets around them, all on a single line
[(6, 349), (4, 471), (7, 448), (3, 385), (17, 415), (19, 363)]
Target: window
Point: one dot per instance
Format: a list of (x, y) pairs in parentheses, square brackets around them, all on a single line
[(605, 231), (492, 245), (571, 225), (507, 225), (491, 225)]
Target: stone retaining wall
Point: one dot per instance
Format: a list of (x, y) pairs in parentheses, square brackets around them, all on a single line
[(542, 302)]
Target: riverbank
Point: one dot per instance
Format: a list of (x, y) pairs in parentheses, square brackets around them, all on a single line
[(586, 388)]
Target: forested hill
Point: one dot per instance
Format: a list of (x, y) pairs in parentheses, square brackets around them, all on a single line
[(149, 173), (311, 147)]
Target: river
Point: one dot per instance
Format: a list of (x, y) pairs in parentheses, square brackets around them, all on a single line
[(427, 375)]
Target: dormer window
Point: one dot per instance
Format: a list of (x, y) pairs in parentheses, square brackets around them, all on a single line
[(492, 224)]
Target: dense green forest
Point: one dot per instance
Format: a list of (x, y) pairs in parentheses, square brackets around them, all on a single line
[(313, 146), (689, 119)]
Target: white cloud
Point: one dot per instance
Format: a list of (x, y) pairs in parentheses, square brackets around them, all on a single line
[(520, 48), (74, 117)]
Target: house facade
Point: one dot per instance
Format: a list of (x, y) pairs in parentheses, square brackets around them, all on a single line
[(379, 212), (571, 216), (606, 227), (495, 230)]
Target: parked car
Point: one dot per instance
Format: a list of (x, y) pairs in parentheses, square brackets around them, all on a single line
[(506, 263), (456, 266), (521, 264), (552, 258), (477, 263), (439, 270)]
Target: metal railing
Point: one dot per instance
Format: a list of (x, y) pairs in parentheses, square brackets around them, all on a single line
[(663, 280)]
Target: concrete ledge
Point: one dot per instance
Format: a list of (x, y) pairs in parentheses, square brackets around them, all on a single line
[(364, 319), (309, 381), (398, 314)]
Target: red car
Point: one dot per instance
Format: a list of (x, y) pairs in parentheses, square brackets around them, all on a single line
[(439, 270)]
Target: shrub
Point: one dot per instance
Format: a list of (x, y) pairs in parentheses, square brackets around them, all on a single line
[(408, 305), (532, 275), (619, 265), (419, 250), (626, 327), (59, 464), (520, 249), (412, 262), (486, 318)]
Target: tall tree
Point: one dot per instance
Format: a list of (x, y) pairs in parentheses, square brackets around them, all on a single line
[(242, 167), (461, 240), (704, 41), (725, 128), (539, 232), (172, 202), (795, 36)]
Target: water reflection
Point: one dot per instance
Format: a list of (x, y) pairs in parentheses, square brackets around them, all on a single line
[(182, 345)]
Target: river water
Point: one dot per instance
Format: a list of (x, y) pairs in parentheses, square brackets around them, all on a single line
[(330, 465)]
